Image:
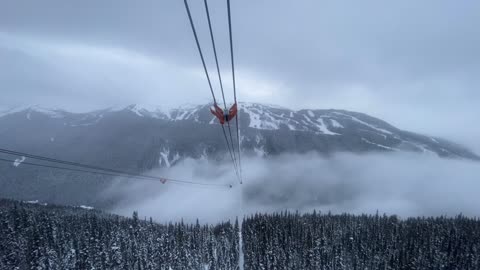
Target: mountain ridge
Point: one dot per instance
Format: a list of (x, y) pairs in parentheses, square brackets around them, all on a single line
[(259, 117), (136, 139)]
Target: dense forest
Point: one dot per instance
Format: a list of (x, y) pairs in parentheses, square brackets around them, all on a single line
[(35, 236), (51, 237), (315, 241)]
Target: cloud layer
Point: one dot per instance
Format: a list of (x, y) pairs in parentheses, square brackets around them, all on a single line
[(401, 184), (412, 63)]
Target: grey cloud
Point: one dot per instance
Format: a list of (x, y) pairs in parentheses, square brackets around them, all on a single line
[(403, 184), (412, 63)]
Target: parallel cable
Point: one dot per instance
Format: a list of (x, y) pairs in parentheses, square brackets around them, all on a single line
[(231, 152), (234, 88), (108, 174), (200, 50), (96, 169), (64, 168), (232, 155), (221, 86), (215, 52), (233, 149)]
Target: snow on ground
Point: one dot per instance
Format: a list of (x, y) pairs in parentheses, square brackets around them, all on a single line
[(18, 161), (364, 123), (181, 116), (379, 145), (424, 148), (35, 202), (136, 110), (336, 124), (291, 127), (320, 125), (144, 110), (165, 160), (164, 157), (212, 122), (193, 115), (376, 133), (257, 118), (323, 128), (262, 117), (427, 151), (32, 202), (184, 112), (86, 207)]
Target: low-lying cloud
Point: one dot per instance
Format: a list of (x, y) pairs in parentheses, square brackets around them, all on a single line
[(401, 184)]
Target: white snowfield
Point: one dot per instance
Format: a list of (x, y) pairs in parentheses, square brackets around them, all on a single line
[(267, 118)]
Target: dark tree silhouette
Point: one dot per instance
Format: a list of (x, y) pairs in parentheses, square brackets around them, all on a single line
[(53, 237), (40, 237)]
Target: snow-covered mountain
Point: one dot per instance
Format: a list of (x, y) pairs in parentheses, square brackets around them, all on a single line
[(191, 131), (138, 138)]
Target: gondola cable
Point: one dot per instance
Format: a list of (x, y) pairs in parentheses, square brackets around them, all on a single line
[(221, 83), (93, 169), (232, 154), (234, 89)]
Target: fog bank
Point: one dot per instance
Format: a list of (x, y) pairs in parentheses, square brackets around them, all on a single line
[(395, 183)]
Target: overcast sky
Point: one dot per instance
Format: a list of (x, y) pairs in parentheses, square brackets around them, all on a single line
[(413, 63)]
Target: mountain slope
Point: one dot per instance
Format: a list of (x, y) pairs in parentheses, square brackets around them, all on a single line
[(265, 130), (135, 138)]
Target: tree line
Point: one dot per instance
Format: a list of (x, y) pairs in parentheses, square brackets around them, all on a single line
[(39, 237), (52, 237), (325, 241)]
